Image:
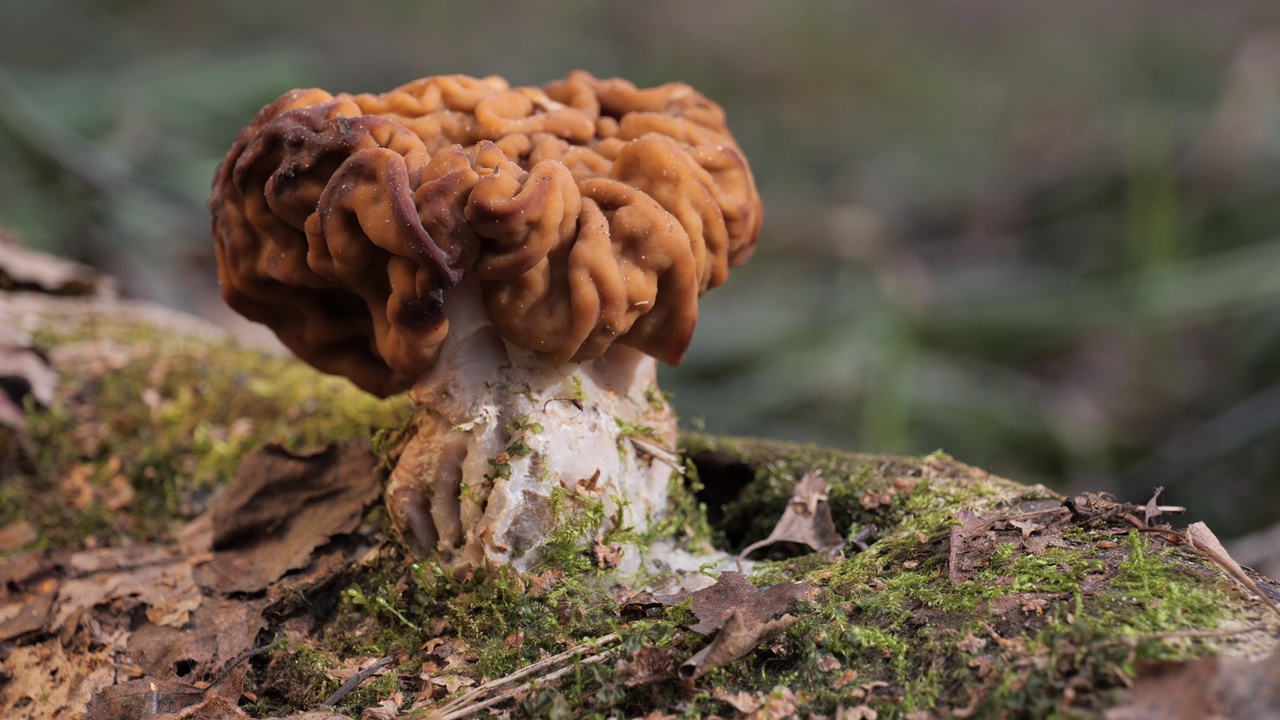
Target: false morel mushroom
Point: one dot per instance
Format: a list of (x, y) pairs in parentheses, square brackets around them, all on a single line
[(515, 259)]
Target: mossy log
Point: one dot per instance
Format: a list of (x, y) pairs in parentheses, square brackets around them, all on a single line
[(958, 594)]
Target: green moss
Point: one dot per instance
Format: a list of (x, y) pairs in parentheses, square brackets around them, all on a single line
[(296, 675), (1071, 615), (1009, 638), (657, 399), (578, 393), (139, 446)]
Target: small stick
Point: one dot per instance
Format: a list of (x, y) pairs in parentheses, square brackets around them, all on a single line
[(512, 692), (358, 678), (245, 656), (532, 669), (657, 451)]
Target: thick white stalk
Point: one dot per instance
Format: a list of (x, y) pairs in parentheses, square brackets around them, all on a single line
[(499, 432)]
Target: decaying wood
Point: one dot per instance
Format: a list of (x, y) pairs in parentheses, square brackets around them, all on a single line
[(196, 622)]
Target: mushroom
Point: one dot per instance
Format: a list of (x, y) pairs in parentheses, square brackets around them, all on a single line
[(515, 259)]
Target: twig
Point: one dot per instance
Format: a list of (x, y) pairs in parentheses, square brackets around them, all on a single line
[(245, 656), (512, 692), (530, 670), (657, 451), (355, 681)]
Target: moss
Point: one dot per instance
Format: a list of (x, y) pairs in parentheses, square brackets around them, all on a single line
[(295, 675), (1026, 629), (140, 445), (1079, 616)]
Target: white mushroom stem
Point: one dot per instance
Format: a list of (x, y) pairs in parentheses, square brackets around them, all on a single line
[(508, 448)]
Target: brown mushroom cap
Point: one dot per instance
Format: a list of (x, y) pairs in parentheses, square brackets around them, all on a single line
[(588, 210)]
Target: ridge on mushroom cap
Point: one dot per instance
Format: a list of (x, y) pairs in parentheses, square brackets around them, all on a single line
[(590, 212)]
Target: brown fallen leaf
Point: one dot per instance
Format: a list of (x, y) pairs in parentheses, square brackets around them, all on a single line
[(163, 701), (1152, 510), (649, 664), (873, 499), (846, 678), (807, 519), (219, 634), (736, 638), (733, 593), (741, 614), (781, 702), (158, 580), (744, 702), (281, 507), (828, 664), (46, 682), (1026, 527), (388, 709), (1220, 687), (857, 712), (971, 643), (27, 611), (1202, 539)]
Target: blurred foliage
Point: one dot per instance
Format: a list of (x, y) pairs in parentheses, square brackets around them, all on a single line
[(1042, 236)]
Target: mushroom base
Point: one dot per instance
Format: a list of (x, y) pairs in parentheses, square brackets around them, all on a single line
[(508, 449)]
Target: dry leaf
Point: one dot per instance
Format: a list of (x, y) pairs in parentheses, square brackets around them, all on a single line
[(43, 681), (1152, 510), (744, 702), (846, 678), (733, 593), (736, 638), (1202, 539), (539, 584), (781, 702), (857, 712), (649, 664), (807, 519), (1025, 526), (281, 507), (388, 709), (219, 632), (605, 556), (971, 643), (876, 498), (158, 580)]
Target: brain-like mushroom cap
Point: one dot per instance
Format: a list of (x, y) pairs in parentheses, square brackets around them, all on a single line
[(589, 212)]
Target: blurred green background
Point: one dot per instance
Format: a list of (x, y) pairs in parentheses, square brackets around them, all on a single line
[(1044, 237)]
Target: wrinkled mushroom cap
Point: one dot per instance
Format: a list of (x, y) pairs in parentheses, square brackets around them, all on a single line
[(589, 212)]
